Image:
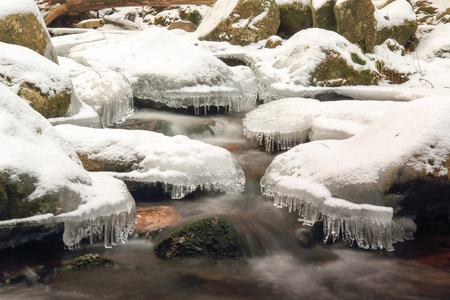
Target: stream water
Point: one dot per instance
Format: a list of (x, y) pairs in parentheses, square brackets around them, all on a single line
[(276, 266)]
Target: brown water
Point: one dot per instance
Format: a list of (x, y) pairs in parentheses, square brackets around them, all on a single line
[(276, 265)]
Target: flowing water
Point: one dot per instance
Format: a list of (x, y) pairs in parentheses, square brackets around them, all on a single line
[(276, 265)]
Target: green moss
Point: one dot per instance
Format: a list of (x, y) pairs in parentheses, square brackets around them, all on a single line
[(209, 237), (336, 72), (401, 33), (358, 60), (92, 261), (14, 189), (194, 16)]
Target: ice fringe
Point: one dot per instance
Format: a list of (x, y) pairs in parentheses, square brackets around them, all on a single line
[(112, 229), (371, 228)]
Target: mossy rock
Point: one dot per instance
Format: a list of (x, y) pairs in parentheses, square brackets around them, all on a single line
[(323, 17), (92, 164), (48, 105), (28, 31), (355, 21), (92, 261), (249, 22), (209, 237), (190, 15), (92, 23), (14, 190), (335, 71), (402, 33), (187, 26), (294, 17)]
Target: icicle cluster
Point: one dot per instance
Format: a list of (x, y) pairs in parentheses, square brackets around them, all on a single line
[(111, 229), (178, 191), (228, 97), (376, 232), (275, 140), (116, 112)]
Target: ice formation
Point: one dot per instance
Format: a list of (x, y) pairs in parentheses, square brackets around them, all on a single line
[(344, 182), (294, 63), (107, 91), (175, 72), (30, 145), (180, 164), (284, 123)]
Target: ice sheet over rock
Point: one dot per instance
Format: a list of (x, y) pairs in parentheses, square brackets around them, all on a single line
[(182, 165), (295, 62), (359, 170), (284, 123), (107, 91), (175, 72), (30, 145)]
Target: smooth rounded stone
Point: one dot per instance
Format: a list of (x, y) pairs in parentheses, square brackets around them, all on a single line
[(209, 237), (240, 22), (154, 218), (187, 26), (36, 79), (273, 42), (22, 24)]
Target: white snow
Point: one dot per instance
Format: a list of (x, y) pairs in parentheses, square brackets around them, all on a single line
[(107, 91), (436, 44), (219, 12), (288, 122), (394, 14), (180, 164), (175, 72), (317, 4), (13, 7), (286, 2), (22, 65), (294, 62), (360, 169), (30, 145)]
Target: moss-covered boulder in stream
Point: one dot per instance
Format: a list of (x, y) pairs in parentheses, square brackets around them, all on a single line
[(92, 261), (209, 237), (356, 22), (23, 25), (240, 22), (294, 16)]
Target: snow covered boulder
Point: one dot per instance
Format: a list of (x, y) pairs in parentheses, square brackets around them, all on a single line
[(396, 20), (43, 184), (354, 185), (283, 124), (295, 15), (312, 57), (38, 80), (323, 14), (107, 91), (175, 73), (187, 26), (356, 22), (21, 24), (240, 22), (435, 45), (181, 165)]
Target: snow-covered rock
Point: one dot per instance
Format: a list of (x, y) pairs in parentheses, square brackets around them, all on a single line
[(396, 20), (107, 91), (436, 44), (323, 14), (180, 164), (33, 77), (42, 182), (22, 24), (314, 57), (175, 72), (240, 22), (286, 123), (348, 182)]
